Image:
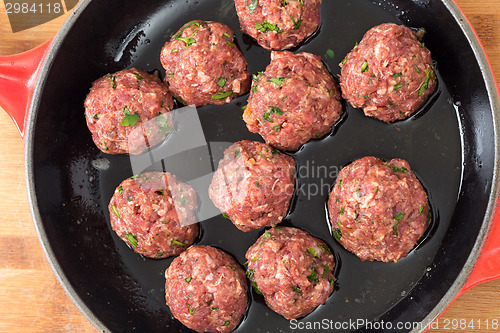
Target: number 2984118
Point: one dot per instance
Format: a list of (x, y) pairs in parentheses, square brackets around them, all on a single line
[(33, 8)]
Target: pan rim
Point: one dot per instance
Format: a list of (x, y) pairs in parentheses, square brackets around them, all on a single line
[(493, 96), (454, 289), (29, 175)]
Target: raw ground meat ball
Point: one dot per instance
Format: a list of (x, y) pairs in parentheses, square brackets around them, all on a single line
[(293, 101), (206, 289), (389, 74), (154, 213), (278, 24), (253, 185), (292, 270), (203, 65), (378, 210), (126, 112)]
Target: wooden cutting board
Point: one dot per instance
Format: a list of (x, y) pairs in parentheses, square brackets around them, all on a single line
[(32, 300)]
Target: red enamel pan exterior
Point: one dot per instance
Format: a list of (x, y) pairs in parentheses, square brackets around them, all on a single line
[(18, 79)]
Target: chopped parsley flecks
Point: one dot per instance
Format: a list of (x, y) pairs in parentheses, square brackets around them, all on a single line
[(396, 169), (330, 54), (395, 228), (222, 94), (131, 238), (420, 210), (313, 277), (272, 109), (337, 233), (364, 67), (221, 82), (325, 249), (252, 4), (179, 99), (399, 216), (313, 252), (188, 40), (163, 123), (277, 80), (296, 24), (254, 284), (176, 242), (115, 210), (112, 78), (429, 75), (129, 119), (266, 26)]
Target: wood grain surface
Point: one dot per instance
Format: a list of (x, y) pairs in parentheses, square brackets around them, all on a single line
[(32, 300)]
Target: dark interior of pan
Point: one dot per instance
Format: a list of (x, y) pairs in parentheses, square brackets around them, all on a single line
[(449, 145)]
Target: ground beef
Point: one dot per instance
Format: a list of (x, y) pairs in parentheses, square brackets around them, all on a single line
[(126, 112), (293, 101), (203, 65), (206, 289), (253, 185), (292, 270), (389, 74), (378, 210), (154, 213), (279, 24)]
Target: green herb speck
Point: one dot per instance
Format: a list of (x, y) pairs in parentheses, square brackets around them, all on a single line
[(176, 242), (131, 238)]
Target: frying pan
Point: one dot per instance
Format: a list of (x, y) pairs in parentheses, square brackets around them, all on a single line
[(451, 145)]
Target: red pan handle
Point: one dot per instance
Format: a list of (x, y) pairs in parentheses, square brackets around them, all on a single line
[(487, 266), (18, 74)]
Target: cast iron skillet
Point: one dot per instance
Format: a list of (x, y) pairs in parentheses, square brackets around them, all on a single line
[(450, 144)]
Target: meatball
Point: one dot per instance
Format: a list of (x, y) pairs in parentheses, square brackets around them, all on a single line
[(154, 213), (378, 210), (389, 74), (279, 24), (206, 289), (293, 101), (126, 112), (253, 185), (203, 65), (292, 270)]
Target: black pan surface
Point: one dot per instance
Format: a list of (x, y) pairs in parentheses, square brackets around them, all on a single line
[(449, 144)]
